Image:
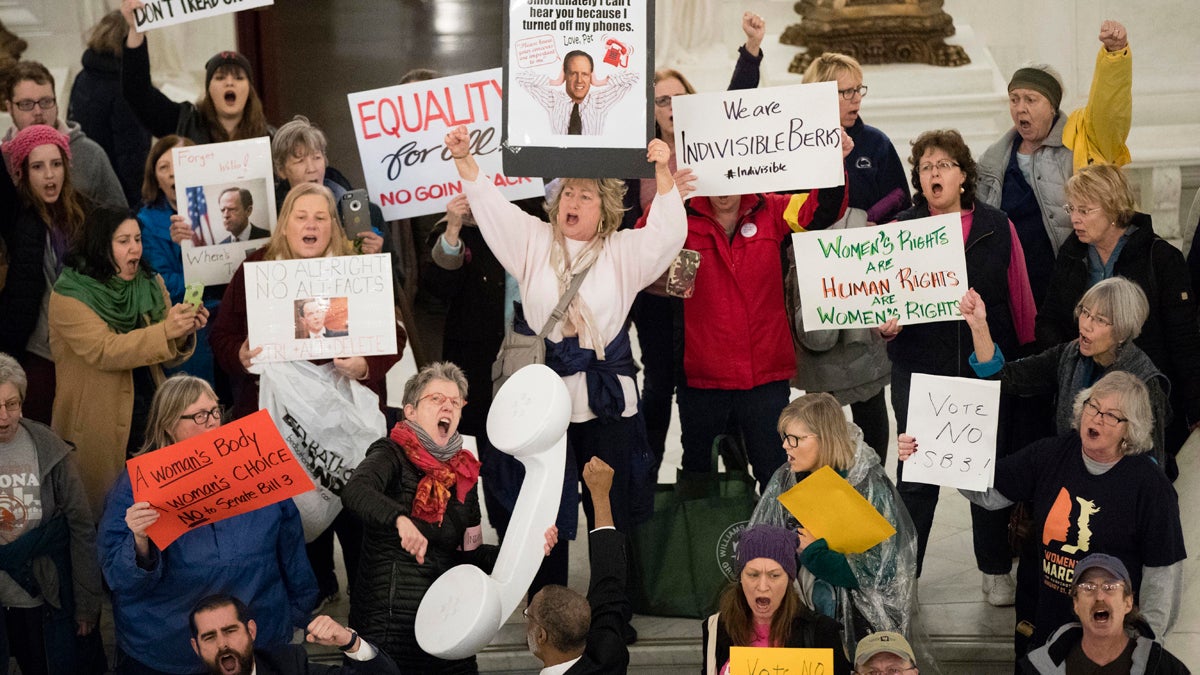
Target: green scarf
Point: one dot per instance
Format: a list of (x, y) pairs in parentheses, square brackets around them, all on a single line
[(120, 303)]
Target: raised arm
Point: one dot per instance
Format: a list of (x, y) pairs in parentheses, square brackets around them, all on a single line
[(1098, 131), (747, 70), (156, 112)]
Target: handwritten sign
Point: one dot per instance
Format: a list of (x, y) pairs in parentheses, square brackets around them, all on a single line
[(780, 661), (760, 140), (954, 422), (578, 75), (914, 271), (226, 192), (321, 308), (233, 469), (831, 509), (159, 13), (400, 131)]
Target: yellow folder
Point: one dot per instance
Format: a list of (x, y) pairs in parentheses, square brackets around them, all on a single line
[(831, 509)]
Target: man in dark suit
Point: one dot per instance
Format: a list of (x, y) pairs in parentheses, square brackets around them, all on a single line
[(236, 205), (573, 635), (223, 637), (311, 320)]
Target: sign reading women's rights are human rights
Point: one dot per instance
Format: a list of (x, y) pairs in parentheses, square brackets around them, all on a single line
[(760, 140), (914, 271)]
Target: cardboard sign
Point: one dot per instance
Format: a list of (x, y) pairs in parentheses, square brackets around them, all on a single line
[(226, 191), (954, 422), (578, 74), (760, 140), (400, 131), (159, 13), (321, 308), (233, 469), (914, 271), (831, 509), (780, 661)]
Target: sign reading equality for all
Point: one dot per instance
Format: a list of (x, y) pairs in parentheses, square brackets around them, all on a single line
[(400, 132), (321, 308), (954, 422), (914, 271), (159, 13), (760, 140), (233, 469), (226, 193), (780, 661)]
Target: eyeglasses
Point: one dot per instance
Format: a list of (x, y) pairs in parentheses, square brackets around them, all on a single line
[(792, 440), (663, 101), (203, 416), (942, 165), (890, 671), (1107, 418), (45, 103), (1072, 209), (1098, 319), (438, 399), (848, 94), (1089, 588), (528, 617), (12, 406)]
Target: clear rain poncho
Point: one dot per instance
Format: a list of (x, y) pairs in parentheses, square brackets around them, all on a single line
[(886, 595)]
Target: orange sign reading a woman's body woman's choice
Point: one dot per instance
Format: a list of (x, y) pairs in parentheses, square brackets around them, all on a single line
[(233, 469)]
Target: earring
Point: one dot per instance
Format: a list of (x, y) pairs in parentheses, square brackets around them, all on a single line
[(961, 190)]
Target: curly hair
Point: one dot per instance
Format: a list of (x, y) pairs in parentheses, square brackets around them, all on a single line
[(951, 142), (612, 201)]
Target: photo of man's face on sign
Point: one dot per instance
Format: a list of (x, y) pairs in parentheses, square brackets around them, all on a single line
[(318, 318), (228, 213)]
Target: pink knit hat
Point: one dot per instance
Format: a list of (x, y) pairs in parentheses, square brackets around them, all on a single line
[(29, 138)]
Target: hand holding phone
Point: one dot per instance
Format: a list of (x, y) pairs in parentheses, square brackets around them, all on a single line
[(194, 295)]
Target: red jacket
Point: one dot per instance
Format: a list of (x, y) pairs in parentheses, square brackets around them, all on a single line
[(736, 329)]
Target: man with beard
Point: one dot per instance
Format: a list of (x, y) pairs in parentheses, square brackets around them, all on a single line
[(223, 637), (1111, 635)]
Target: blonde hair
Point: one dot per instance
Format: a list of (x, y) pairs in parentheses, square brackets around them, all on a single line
[(823, 416), (827, 67), (279, 249), (612, 201), (1106, 186), (172, 398)]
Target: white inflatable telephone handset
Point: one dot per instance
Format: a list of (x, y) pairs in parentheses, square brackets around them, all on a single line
[(464, 608)]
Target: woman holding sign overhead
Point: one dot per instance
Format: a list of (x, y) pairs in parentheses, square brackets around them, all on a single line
[(112, 330), (1095, 491), (258, 555), (590, 346), (944, 175), (230, 109), (870, 591)]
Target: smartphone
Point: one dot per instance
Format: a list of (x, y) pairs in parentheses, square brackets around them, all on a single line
[(194, 295), (355, 212)]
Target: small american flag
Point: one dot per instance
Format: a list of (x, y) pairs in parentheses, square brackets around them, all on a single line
[(198, 214)]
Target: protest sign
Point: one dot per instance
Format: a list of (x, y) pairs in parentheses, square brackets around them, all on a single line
[(780, 661), (831, 509), (226, 192), (159, 13), (321, 308), (400, 132), (233, 469), (578, 75), (954, 422), (913, 270), (760, 140)]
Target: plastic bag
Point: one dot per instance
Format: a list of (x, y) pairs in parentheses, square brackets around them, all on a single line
[(328, 420)]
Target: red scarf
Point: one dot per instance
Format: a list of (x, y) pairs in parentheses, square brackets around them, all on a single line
[(433, 491)]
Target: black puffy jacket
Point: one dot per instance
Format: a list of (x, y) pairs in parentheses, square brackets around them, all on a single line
[(390, 582)]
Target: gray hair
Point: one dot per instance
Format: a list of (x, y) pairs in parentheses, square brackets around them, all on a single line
[(299, 134), (174, 396), (1135, 404), (1120, 300), (12, 373), (439, 370), (1049, 70)]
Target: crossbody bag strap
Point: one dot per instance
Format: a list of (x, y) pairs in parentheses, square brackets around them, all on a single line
[(561, 309)]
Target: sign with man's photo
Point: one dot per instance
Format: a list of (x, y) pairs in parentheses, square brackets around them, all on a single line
[(320, 308), (226, 193)]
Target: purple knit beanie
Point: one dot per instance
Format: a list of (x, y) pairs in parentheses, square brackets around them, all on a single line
[(768, 541), (29, 138)]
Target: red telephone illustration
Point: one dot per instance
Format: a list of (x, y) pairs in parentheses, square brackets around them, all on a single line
[(616, 53)]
